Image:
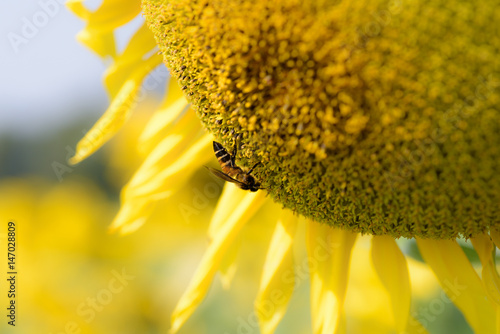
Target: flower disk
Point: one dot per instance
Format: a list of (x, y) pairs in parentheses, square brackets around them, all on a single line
[(380, 117)]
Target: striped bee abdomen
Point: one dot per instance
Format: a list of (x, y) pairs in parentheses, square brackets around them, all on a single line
[(224, 158)]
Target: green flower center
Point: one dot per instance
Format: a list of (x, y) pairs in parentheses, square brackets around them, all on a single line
[(380, 117)]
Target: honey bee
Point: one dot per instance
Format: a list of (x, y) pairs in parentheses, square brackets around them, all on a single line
[(232, 173)]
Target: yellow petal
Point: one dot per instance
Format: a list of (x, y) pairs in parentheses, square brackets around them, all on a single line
[(168, 150), (113, 119), (78, 8), (498, 320), (329, 250), (460, 282), (278, 281), (101, 42), (170, 111), (414, 327), (212, 258), (134, 213), (495, 236), (390, 265), (229, 264), (111, 13), (98, 34), (229, 198), (134, 56), (156, 180), (155, 184), (485, 249)]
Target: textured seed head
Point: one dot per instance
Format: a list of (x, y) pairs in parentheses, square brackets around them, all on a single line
[(381, 117)]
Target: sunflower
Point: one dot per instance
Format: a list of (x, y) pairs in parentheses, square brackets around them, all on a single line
[(368, 117)]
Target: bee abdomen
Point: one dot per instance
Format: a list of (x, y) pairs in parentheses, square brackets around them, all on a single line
[(223, 157)]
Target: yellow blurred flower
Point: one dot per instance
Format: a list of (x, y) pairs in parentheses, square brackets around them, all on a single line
[(73, 276), (339, 101)]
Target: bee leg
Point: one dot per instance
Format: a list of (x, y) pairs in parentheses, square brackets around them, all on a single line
[(251, 169), (233, 157), (235, 150), (236, 138)]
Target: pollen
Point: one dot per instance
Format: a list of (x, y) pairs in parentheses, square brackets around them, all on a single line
[(379, 117)]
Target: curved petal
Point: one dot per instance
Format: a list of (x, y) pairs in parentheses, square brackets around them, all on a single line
[(212, 258), (78, 8), (152, 183), (229, 264), (167, 151), (134, 213), (229, 199), (277, 283), (98, 34), (101, 42), (491, 281), (112, 13), (390, 265), (460, 282), (147, 183), (329, 252), (485, 249), (112, 120), (495, 236), (134, 56), (171, 110)]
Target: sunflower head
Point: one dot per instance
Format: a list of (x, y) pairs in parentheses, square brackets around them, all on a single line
[(380, 117)]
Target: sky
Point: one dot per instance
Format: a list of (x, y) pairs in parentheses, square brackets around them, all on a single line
[(49, 79)]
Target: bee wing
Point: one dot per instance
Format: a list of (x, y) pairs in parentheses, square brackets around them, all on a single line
[(223, 176)]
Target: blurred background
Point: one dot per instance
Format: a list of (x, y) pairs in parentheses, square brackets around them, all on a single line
[(75, 277)]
